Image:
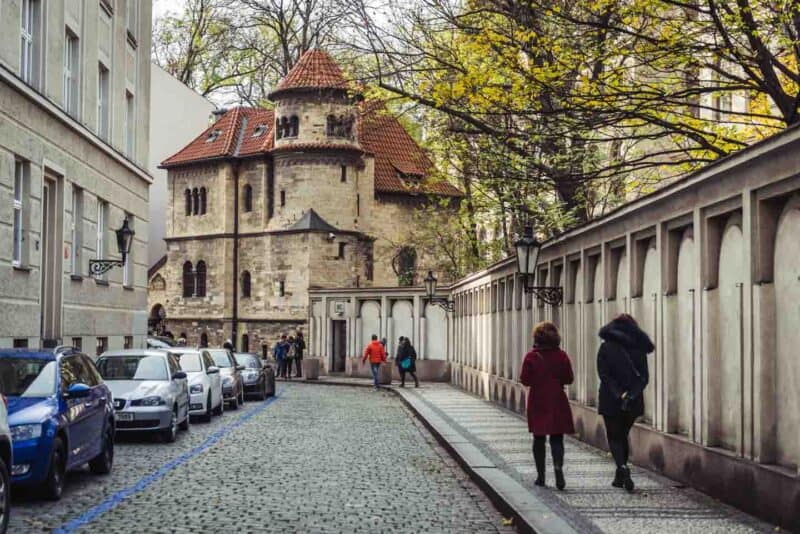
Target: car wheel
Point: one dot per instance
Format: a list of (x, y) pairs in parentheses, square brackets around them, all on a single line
[(169, 435), (54, 483), (207, 415), (185, 423), (5, 496), (102, 463)]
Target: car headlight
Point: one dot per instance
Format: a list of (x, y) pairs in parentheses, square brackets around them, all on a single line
[(23, 432), (155, 400), (196, 388), (227, 381)]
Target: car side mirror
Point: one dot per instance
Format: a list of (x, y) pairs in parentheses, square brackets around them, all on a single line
[(240, 367), (212, 370), (77, 390), (179, 375)]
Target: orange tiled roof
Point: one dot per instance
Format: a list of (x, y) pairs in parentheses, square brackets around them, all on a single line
[(315, 69)]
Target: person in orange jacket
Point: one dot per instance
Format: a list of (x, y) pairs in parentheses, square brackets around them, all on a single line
[(377, 355)]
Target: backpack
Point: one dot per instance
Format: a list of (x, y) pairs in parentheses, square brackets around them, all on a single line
[(291, 352)]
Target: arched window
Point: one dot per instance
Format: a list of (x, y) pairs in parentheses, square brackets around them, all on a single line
[(330, 126), (200, 279), (246, 285), (188, 279), (405, 266), (247, 198), (294, 126), (204, 340), (278, 130), (195, 201), (202, 201), (284, 127), (245, 343), (188, 195)]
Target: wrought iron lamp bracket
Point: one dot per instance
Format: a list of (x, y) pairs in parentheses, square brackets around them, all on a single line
[(101, 267), (549, 294), (445, 304)]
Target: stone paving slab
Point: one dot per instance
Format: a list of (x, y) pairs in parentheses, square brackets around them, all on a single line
[(589, 504)]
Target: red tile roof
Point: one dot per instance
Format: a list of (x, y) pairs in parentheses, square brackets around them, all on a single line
[(261, 122), (315, 69)]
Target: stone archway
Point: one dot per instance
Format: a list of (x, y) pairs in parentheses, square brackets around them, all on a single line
[(156, 320)]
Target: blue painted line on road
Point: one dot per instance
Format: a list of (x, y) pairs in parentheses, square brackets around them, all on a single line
[(117, 498)]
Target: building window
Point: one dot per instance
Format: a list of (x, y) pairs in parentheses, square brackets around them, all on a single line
[(103, 115), (195, 201), (344, 174), (281, 288), (247, 198), (20, 343), (101, 346), (246, 284), (21, 179), (260, 130), (130, 125), (127, 342), (188, 195), (358, 205), (200, 279), (369, 263), (71, 70), (203, 202), (213, 135), (278, 129), (204, 340), (405, 265), (131, 18), (340, 256), (294, 126), (188, 279), (77, 343), (245, 343), (339, 126), (102, 216), (283, 198), (77, 229), (127, 269), (31, 25)]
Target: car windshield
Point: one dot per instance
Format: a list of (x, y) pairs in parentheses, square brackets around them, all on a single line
[(133, 367), (248, 360), (190, 362), (27, 377), (221, 358)]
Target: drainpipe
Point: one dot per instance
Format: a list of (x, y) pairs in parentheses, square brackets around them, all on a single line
[(235, 277)]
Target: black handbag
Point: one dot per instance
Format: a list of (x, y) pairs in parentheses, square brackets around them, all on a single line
[(633, 393)]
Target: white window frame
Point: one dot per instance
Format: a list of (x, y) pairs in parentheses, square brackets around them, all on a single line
[(131, 19), (77, 229), (29, 13), (130, 125), (20, 172), (100, 244), (72, 55), (103, 108)]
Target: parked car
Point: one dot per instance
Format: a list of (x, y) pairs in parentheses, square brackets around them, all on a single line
[(205, 383), (151, 392), (6, 455), (60, 416), (160, 342), (258, 378), (230, 372)]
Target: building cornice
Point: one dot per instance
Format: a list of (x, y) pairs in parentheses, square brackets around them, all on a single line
[(229, 235), (7, 76)]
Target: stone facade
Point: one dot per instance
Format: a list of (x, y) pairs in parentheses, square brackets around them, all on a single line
[(73, 149)]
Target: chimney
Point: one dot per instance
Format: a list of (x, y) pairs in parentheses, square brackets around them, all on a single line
[(216, 114)]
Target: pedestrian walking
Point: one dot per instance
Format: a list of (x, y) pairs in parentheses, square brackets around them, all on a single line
[(406, 361), (546, 369), (622, 367), (376, 354), (299, 347), (279, 352), (290, 352)]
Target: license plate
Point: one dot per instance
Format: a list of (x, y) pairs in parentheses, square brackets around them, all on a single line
[(122, 416)]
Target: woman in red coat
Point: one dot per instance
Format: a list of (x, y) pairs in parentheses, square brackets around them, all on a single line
[(546, 370)]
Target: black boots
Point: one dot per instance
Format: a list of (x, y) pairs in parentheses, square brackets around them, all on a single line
[(560, 482), (622, 478), (539, 459)]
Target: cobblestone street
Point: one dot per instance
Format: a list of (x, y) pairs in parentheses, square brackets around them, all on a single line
[(314, 459)]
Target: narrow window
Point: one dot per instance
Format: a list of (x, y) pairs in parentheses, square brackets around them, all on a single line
[(270, 192), (127, 269), (281, 288), (127, 342), (188, 195), (369, 263), (71, 70), (188, 279), (330, 125), (294, 126), (31, 41), (102, 216), (20, 343), (246, 284), (101, 346), (202, 201), (278, 129), (21, 173), (245, 343), (358, 205), (130, 125), (341, 251), (77, 343), (344, 174), (204, 340), (131, 18), (200, 279), (103, 115), (283, 198), (195, 201), (77, 229), (247, 198)]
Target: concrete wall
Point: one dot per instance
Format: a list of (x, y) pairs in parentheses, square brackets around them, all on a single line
[(177, 115)]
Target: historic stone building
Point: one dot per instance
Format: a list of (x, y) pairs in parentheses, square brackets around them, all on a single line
[(265, 204), (74, 112)]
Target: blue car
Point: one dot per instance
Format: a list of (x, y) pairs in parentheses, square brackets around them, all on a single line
[(60, 413)]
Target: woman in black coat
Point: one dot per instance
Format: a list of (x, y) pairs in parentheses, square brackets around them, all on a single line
[(406, 356), (622, 367)]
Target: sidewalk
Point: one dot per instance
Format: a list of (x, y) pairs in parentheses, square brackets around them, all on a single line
[(495, 447)]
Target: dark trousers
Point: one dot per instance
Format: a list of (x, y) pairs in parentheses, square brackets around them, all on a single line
[(298, 362), (556, 450), (282, 368), (618, 428), (403, 377)]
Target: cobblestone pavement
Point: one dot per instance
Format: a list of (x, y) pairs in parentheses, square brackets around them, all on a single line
[(589, 503), (316, 459)]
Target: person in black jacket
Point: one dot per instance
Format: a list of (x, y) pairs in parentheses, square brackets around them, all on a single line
[(406, 361), (622, 367), (299, 347)]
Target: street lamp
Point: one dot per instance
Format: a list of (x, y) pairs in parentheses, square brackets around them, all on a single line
[(527, 260), (430, 293), (124, 243)]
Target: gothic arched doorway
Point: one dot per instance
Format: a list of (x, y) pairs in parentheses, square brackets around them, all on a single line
[(156, 321)]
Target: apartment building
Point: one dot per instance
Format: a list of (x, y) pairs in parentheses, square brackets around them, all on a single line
[(74, 129)]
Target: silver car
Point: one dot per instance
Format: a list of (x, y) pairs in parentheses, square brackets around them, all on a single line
[(230, 373), (150, 391)]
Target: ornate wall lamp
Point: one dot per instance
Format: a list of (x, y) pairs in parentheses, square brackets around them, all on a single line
[(430, 293), (124, 243), (527, 258)]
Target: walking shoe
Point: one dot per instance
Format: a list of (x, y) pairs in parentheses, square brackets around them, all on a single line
[(619, 477), (540, 481), (560, 482), (628, 481)]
